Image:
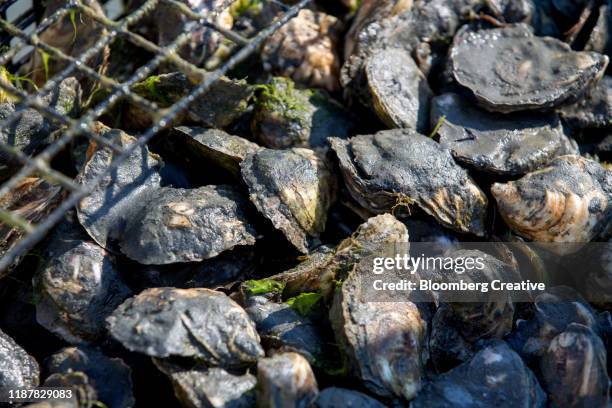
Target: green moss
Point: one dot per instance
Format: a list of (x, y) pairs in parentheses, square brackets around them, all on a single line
[(304, 303), (281, 96), (241, 7), (262, 286), (149, 89)]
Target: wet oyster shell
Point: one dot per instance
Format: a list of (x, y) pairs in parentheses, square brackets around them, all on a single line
[(110, 378), (285, 380), (211, 145), (334, 397), (495, 143), (202, 323), (402, 167), (106, 211), (509, 69), (567, 202), (285, 117), (18, 368), (292, 188), (77, 288), (203, 387), (593, 111), (179, 225), (305, 49), (495, 377), (400, 93), (574, 369)]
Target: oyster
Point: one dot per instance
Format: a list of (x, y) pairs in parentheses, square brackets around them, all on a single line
[(202, 323), (33, 131), (593, 111), (203, 387), (567, 202), (334, 397), (600, 39), (495, 143), (400, 94), (283, 328), (286, 117), (84, 394), (109, 378), (509, 69), (495, 377), (285, 380), (178, 225), (292, 188), (195, 145), (305, 49), (18, 368), (574, 369), (402, 167), (77, 287)]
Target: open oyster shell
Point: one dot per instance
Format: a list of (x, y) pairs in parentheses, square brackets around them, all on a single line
[(567, 202), (509, 69), (403, 167), (292, 188)]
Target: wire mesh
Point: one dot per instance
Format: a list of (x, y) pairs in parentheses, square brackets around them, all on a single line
[(29, 41)]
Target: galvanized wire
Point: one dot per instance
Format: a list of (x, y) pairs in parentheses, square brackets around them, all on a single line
[(39, 164)]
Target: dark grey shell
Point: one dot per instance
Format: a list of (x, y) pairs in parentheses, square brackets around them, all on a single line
[(201, 323), (495, 377), (18, 368), (211, 145), (292, 188), (568, 202), (600, 39), (284, 116), (285, 380), (106, 211), (282, 328), (403, 167), (496, 143), (204, 387), (334, 397), (111, 378), (400, 93), (77, 288), (574, 369), (179, 225), (509, 69), (594, 110)]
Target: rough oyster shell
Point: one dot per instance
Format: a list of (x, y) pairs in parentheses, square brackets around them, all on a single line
[(593, 111), (18, 368), (508, 69), (292, 188), (202, 323), (402, 167), (496, 143), (568, 202)]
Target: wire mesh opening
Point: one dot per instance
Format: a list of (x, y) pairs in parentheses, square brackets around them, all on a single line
[(36, 183)]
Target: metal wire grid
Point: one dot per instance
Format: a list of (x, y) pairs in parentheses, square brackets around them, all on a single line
[(39, 164)]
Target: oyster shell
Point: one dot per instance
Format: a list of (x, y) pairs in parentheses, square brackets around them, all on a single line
[(286, 117), (399, 167), (109, 378), (600, 39), (178, 225), (292, 188), (285, 380), (212, 387), (509, 69), (574, 370), (18, 368), (495, 143), (77, 288), (400, 93), (202, 323), (593, 111), (334, 397), (495, 377), (567, 202), (84, 394), (305, 49)]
